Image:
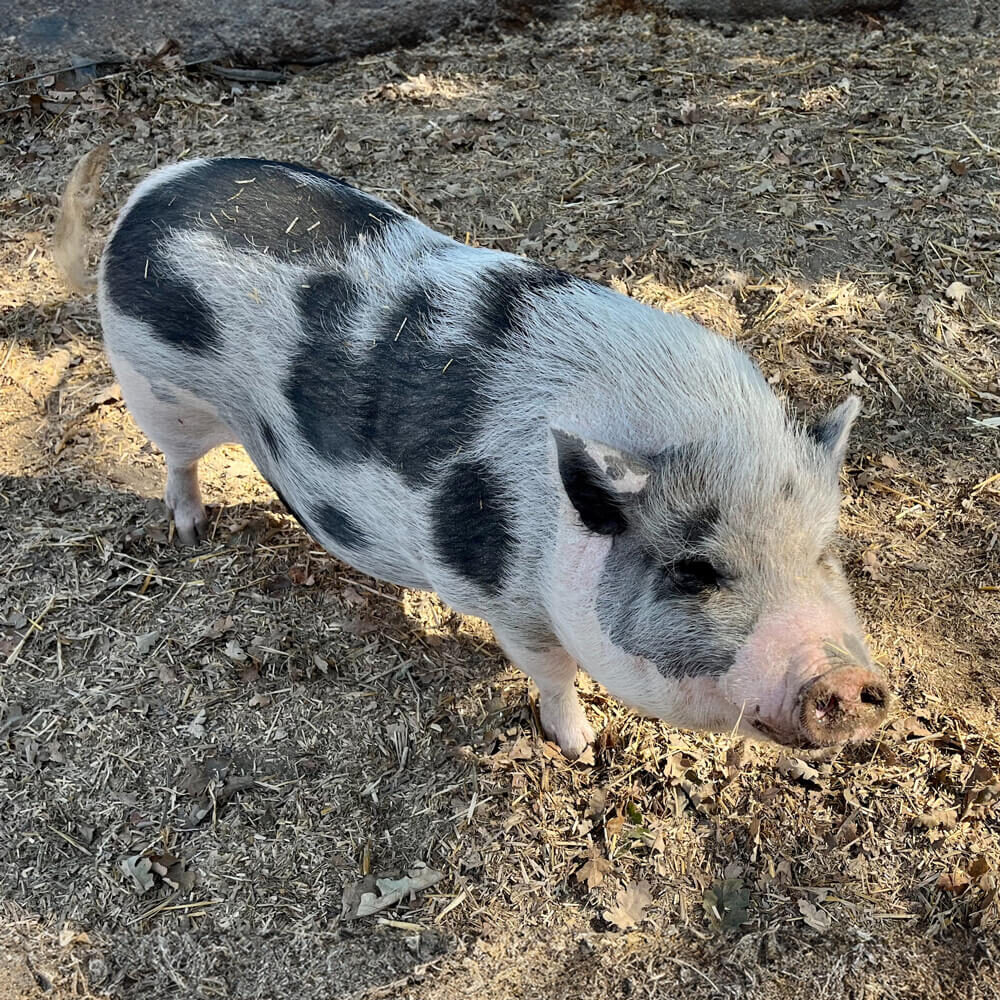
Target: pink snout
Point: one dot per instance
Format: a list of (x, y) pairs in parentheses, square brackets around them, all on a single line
[(847, 703)]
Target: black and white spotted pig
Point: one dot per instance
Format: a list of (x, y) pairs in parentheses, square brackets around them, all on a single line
[(607, 485)]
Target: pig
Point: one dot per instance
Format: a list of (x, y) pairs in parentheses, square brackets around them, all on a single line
[(608, 485)]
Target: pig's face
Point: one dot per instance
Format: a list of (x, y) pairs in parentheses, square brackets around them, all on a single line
[(718, 602)]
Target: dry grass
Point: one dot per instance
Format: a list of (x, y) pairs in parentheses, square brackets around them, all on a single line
[(200, 751)]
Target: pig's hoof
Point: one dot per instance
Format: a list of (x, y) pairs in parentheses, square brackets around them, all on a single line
[(183, 500), (565, 721), (190, 524)]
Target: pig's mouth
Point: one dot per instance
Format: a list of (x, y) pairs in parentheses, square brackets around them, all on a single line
[(786, 737)]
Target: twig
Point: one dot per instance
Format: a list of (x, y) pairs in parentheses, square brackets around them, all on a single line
[(34, 627), (245, 75)]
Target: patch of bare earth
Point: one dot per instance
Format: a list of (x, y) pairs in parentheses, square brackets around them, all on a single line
[(207, 755)]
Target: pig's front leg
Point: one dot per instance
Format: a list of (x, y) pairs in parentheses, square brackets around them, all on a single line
[(554, 671)]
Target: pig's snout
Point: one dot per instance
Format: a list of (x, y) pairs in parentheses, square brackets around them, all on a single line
[(846, 703)]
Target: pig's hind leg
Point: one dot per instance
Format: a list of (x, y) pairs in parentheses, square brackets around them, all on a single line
[(554, 672), (184, 428)]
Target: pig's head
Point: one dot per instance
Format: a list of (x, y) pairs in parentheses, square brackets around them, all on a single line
[(717, 600)]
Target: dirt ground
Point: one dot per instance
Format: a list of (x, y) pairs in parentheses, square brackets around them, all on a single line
[(206, 755)]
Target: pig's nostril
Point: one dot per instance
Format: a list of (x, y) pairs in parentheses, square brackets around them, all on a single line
[(873, 696), (824, 706)]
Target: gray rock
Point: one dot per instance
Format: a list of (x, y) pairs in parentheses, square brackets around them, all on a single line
[(254, 32), (733, 10)]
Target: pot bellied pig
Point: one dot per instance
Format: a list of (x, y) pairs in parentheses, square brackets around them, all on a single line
[(607, 485)]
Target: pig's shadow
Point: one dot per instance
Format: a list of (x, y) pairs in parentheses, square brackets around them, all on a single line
[(292, 578)]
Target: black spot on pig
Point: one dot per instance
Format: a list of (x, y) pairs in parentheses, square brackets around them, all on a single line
[(472, 529), (339, 526), (644, 614), (319, 387), (392, 396), (284, 210), (504, 293), (142, 285), (326, 304), (270, 439), (788, 490), (698, 528)]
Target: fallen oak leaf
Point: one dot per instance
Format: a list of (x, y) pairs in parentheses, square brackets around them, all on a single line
[(593, 870), (630, 906), (944, 818), (798, 770), (954, 882), (814, 916), (140, 871)]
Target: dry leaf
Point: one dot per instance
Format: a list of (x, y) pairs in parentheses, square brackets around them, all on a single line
[(953, 882), (390, 891), (594, 870), (218, 627), (872, 565), (235, 651), (798, 770), (614, 826), (979, 867), (910, 726), (139, 872), (944, 818), (815, 917), (196, 727), (956, 292), (725, 904), (630, 906), (902, 255), (145, 642), (300, 576), (109, 394), (352, 597), (597, 803), (68, 937), (178, 877), (690, 113)]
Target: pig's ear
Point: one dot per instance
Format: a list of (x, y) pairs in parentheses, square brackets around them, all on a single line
[(600, 481), (833, 430)]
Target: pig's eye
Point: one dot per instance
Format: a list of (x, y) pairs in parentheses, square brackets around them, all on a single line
[(694, 576)]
